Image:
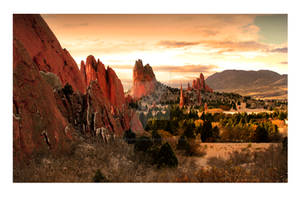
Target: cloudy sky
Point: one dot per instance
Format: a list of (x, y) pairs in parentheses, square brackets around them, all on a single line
[(178, 47)]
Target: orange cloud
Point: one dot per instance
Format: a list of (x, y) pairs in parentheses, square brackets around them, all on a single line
[(170, 42), (176, 44), (188, 68), (235, 46), (173, 68), (279, 50), (225, 46), (284, 62)]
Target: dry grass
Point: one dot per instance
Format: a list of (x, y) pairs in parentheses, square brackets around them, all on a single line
[(268, 165), (118, 162)]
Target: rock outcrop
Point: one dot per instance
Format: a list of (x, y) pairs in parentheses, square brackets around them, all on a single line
[(107, 79), (38, 125), (135, 123), (45, 51), (193, 94), (182, 98), (199, 84), (52, 100), (144, 80)]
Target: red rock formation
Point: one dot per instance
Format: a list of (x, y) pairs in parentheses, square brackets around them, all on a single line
[(44, 114), (116, 91), (208, 89), (38, 124), (44, 49), (181, 103), (107, 79), (202, 82), (144, 80), (194, 84), (205, 107), (135, 124), (98, 111), (199, 84)]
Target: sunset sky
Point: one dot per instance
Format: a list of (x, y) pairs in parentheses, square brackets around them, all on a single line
[(178, 47)]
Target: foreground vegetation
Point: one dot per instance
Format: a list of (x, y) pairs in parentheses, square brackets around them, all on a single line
[(170, 151), (118, 161)]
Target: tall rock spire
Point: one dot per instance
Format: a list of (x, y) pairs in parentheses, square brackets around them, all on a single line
[(144, 80), (202, 82), (181, 103), (107, 79)]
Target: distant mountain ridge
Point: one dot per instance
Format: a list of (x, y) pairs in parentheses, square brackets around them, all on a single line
[(259, 84)]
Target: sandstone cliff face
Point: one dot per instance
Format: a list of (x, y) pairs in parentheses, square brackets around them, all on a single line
[(90, 112), (45, 51), (135, 123), (144, 80), (107, 79), (51, 98), (34, 110)]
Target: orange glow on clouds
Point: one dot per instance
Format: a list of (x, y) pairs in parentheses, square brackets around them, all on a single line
[(178, 47)]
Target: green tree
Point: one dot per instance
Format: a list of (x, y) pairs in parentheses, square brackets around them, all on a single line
[(143, 144), (281, 115), (129, 137), (99, 177), (156, 138), (261, 134), (67, 90), (206, 131), (166, 157), (189, 130), (182, 143)]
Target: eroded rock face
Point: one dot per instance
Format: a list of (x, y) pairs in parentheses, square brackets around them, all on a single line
[(116, 90), (199, 84), (107, 79), (99, 111), (92, 111), (38, 125), (144, 80), (45, 51), (46, 113), (135, 123)]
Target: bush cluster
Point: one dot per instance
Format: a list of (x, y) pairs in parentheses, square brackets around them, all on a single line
[(129, 137), (99, 177), (154, 151)]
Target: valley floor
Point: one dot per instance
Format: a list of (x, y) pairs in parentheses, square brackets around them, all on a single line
[(224, 150), (117, 162)]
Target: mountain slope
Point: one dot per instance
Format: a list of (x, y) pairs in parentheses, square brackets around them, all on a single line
[(259, 84), (53, 103)]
